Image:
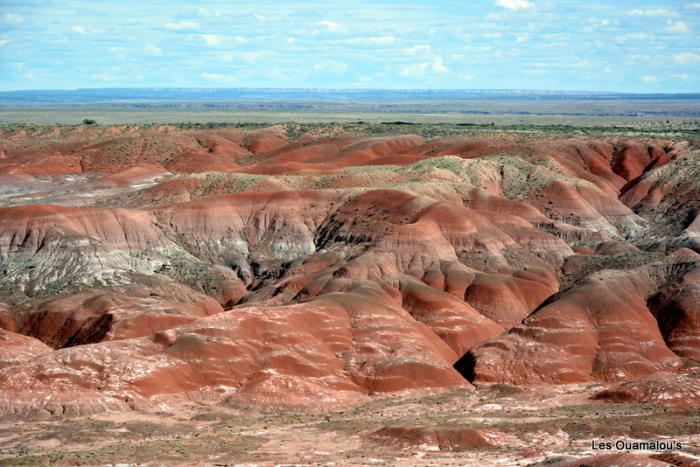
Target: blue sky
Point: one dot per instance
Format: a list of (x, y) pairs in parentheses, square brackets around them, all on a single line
[(635, 46)]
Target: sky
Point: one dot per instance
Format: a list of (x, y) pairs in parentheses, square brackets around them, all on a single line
[(628, 46)]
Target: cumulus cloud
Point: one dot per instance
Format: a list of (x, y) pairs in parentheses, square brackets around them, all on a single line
[(248, 57), (119, 52), (216, 40), (331, 65), (415, 69), (4, 42), (582, 64), (212, 39), (216, 77), (331, 25), (12, 18), (653, 12), (372, 40), (636, 37), (417, 49), (650, 79), (152, 49), (685, 58), (676, 26), (514, 4), (437, 65), (182, 25), (79, 29), (520, 38)]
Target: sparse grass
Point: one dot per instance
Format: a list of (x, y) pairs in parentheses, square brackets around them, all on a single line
[(223, 434), (428, 126)]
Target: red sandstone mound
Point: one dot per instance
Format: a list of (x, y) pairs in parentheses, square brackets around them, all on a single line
[(133, 176), (444, 438), (326, 352), (18, 349), (606, 460), (601, 328), (679, 392), (263, 141), (335, 153), (126, 312), (348, 266)]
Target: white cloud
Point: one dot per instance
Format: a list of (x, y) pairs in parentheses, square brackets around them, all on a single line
[(581, 64), (255, 56), (212, 40), (119, 53), (693, 6), (676, 26), (438, 66), (635, 36), (78, 29), (4, 42), (477, 49), (216, 77), (685, 58), (331, 65), (417, 49), (152, 49), (12, 18), (681, 76), (416, 69), (373, 40), (520, 38), (248, 57), (215, 40), (208, 13), (514, 4), (182, 25), (290, 40), (467, 77), (653, 12), (650, 79), (332, 25), (103, 76)]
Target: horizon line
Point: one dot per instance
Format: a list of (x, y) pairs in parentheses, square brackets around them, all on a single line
[(331, 89)]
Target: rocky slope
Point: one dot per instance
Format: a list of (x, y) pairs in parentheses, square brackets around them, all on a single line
[(145, 267)]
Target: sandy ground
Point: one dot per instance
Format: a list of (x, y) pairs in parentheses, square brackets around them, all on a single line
[(520, 426)]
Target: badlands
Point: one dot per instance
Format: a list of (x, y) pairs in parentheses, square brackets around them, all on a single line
[(346, 295)]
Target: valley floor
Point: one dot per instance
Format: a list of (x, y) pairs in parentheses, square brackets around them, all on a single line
[(493, 425)]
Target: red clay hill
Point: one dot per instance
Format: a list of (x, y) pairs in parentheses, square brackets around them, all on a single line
[(144, 267)]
